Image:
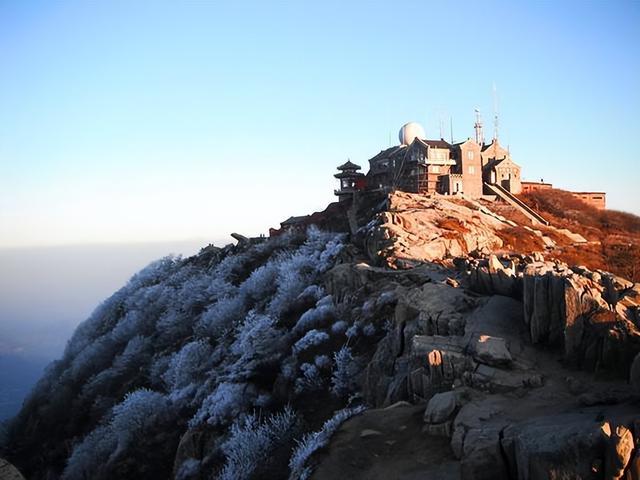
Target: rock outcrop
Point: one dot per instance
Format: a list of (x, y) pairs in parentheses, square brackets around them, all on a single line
[(415, 229), (591, 316), (521, 362)]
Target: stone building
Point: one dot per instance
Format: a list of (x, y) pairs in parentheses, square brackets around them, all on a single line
[(419, 165), (498, 167), (595, 199)]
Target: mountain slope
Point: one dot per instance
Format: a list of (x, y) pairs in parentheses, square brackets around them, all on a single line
[(242, 362)]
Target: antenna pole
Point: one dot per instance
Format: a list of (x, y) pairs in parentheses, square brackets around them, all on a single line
[(478, 128), (495, 112)]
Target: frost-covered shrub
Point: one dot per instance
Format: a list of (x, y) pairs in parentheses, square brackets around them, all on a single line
[(252, 442), (190, 468), (322, 361), (128, 325), (261, 283), (353, 331), (293, 275), (312, 442), (343, 378), (132, 354), (311, 379), (130, 420), (135, 413), (226, 402), (386, 298), (310, 339), (339, 327), (257, 341), (186, 364), (315, 317), (369, 330), (313, 291), (222, 315), (289, 367), (86, 457)]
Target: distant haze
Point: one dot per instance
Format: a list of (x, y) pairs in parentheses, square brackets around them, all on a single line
[(46, 292)]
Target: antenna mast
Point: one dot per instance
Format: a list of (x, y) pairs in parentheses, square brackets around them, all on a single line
[(478, 128), (451, 128)]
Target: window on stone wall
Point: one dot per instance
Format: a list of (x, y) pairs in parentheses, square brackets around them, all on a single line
[(470, 156), (472, 169)]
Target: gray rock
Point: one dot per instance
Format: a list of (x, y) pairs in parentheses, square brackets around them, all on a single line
[(558, 446), (8, 471), (441, 407), (482, 456), (368, 433), (491, 350)]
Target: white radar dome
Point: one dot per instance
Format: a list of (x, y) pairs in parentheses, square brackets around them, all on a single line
[(409, 132)]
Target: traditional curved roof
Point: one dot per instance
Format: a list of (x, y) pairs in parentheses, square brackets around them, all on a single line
[(349, 166), (349, 175)]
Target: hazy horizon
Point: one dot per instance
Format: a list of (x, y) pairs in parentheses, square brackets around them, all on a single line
[(45, 292)]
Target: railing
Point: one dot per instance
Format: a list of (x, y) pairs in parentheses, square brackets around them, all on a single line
[(516, 202)]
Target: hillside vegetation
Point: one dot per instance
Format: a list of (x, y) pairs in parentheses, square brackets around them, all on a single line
[(615, 235)]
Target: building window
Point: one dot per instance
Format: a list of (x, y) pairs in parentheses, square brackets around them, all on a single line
[(470, 155), (435, 169), (472, 169)]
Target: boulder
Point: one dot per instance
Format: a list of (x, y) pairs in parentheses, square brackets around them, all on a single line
[(482, 456), (491, 350), (8, 471), (556, 446), (441, 407), (619, 446)]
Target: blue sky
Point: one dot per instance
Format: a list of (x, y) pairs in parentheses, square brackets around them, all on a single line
[(160, 121)]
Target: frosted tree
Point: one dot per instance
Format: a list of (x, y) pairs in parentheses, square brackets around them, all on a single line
[(252, 443), (345, 371)]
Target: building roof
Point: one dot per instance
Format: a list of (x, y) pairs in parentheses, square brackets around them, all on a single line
[(349, 175), (494, 162), (435, 143), (388, 152), (349, 166)]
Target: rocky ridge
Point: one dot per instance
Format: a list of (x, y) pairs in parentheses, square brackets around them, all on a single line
[(524, 365)]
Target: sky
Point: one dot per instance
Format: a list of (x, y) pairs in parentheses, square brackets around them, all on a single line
[(156, 121)]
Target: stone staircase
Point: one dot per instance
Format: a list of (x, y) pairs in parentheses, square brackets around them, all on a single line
[(518, 204)]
